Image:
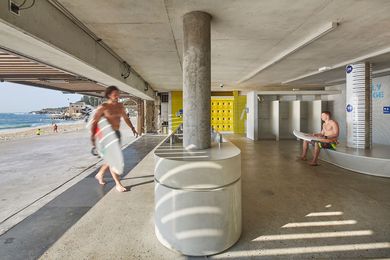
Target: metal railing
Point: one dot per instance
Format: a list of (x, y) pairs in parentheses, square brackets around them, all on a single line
[(177, 136)]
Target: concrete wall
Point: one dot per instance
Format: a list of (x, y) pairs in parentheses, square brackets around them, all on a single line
[(380, 121)]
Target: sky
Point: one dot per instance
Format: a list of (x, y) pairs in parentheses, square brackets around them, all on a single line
[(22, 98)]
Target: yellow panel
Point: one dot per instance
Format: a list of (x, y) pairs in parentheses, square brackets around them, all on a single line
[(177, 105), (226, 112), (222, 114), (239, 113)]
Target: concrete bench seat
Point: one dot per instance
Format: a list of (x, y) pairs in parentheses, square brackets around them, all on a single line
[(372, 162)]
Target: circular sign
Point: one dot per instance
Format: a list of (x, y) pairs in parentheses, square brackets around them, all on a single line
[(349, 108), (349, 69)]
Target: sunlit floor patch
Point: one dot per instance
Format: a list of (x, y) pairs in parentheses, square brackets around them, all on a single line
[(314, 235), (325, 214), (306, 250), (320, 223)]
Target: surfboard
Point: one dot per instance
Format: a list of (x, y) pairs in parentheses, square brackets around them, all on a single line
[(107, 144), (308, 137)]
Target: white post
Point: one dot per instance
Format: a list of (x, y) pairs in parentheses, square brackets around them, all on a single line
[(275, 118), (314, 116), (294, 116), (252, 129)]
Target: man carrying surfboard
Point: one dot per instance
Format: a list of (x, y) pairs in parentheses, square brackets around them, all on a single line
[(328, 138), (113, 111)]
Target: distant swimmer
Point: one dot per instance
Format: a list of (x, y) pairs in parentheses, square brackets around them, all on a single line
[(55, 128), (329, 133), (113, 111), (38, 132)]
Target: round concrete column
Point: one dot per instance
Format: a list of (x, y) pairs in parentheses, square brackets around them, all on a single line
[(196, 80)]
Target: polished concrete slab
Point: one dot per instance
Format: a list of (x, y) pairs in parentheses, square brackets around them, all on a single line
[(290, 210), (35, 234)]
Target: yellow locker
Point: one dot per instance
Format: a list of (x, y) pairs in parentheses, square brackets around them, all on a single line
[(222, 114)]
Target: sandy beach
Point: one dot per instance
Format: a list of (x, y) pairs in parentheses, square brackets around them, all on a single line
[(18, 133)]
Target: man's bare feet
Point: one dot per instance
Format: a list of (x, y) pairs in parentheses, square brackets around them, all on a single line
[(313, 164), (100, 179), (120, 188), (303, 158)]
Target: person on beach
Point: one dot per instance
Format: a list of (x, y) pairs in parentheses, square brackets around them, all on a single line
[(55, 128), (113, 111), (329, 133)]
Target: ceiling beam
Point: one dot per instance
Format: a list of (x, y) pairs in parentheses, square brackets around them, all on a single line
[(322, 31)]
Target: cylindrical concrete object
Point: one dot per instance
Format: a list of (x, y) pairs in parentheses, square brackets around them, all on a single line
[(198, 198), (196, 80)]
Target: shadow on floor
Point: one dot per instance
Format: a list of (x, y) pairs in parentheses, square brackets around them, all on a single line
[(138, 184)]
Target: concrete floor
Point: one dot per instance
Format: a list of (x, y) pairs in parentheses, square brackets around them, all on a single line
[(290, 210), (30, 238), (35, 170)]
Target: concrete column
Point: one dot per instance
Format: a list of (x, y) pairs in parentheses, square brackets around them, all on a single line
[(359, 105), (140, 121), (157, 114), (252, 128), (196, 80), (149, 117)]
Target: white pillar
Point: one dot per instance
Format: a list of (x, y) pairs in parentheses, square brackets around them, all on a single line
[(275, 117), (294, 116), (252, 119), (359, 111), (314, 116)]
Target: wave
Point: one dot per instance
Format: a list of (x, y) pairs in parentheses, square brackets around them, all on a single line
[(3, 127)]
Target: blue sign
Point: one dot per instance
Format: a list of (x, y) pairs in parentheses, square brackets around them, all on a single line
[(179, 113), (349, 108), (349, 69), (386, 110), (377, 91)]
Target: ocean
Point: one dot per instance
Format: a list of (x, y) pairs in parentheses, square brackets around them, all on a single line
[(20, 120)]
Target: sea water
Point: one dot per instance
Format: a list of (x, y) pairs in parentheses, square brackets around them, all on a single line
[(21, 120)]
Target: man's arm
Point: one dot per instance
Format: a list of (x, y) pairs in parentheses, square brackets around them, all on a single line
[(128, 122), (98, 114), (320, 134)]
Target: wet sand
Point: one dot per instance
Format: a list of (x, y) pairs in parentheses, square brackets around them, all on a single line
[(15, 134)]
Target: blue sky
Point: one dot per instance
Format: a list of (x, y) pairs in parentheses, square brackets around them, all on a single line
[(21, 98)]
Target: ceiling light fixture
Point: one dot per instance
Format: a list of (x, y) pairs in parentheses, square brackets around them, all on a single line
[(306, 41), (322, 69), (366, 57)]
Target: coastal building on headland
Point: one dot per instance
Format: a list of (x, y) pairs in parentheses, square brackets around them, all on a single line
[(76, 107)]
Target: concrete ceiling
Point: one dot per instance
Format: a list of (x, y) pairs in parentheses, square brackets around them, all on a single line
[(246, 34)]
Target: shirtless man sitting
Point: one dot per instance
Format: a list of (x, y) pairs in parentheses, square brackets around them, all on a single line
[(113, 111), (330, 132)]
